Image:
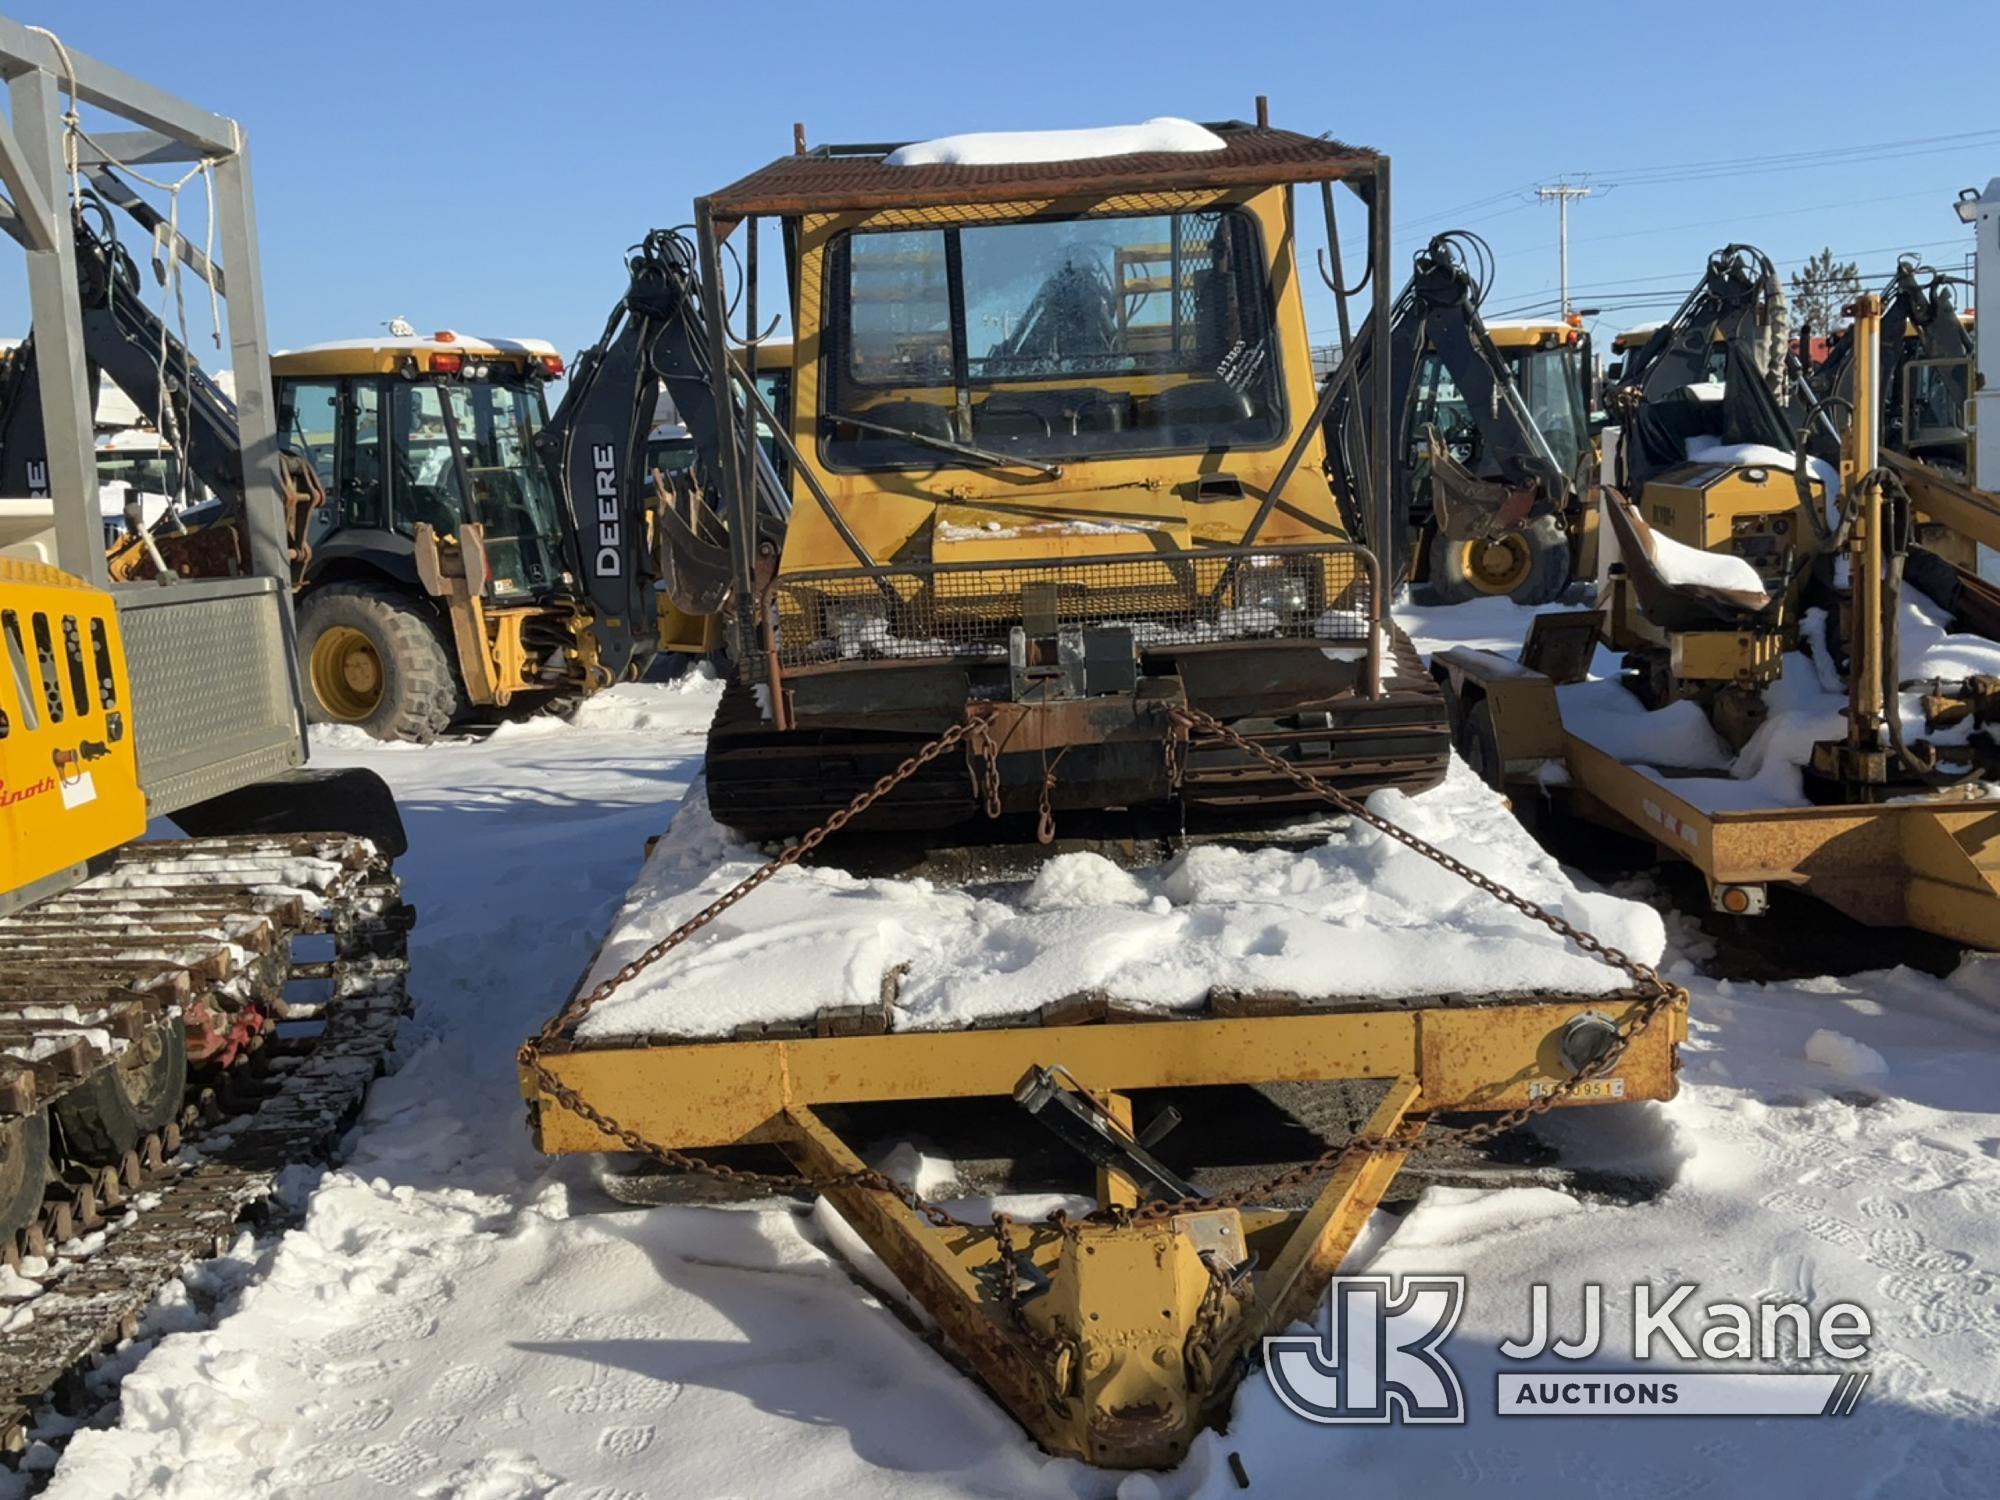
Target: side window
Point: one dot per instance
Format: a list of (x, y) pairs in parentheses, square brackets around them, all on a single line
[(310, 418), (426, 476), (362, 500), (899, 313), (1440, 405)]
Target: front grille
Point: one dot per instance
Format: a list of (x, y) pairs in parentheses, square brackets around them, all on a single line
[(965, 611)]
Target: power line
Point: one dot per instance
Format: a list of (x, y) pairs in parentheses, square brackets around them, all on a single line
[(1668, 173), (1633, 301), (1820, 156)]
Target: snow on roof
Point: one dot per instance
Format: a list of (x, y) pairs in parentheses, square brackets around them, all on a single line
[(132, 440), (1638, 333), (458, 343), (1552, 321), (1013, 147)]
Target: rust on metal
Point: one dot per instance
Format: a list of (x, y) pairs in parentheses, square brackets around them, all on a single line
[(855, 179)]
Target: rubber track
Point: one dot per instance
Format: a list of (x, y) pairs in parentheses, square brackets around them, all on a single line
[(289, 1109)]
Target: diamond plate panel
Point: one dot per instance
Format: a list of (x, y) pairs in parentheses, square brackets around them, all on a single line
[(212, 700)]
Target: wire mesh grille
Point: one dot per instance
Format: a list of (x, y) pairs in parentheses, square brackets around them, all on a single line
[(966, 611)]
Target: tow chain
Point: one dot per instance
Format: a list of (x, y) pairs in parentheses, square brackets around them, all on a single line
[(1653, 993)]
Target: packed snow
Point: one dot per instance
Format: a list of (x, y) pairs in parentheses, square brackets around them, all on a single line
[(1807, 704), (1361, 915), (1021, 147), (458, 1317)]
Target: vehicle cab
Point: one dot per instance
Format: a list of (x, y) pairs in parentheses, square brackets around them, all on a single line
[(433, 431), (1058, 461), (1549, 360)]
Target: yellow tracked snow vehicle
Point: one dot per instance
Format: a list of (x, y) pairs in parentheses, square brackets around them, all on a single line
[(1060, 545)]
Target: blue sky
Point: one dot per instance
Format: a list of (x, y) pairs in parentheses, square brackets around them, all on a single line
[(483, 167)]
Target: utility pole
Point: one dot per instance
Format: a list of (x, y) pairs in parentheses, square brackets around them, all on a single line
[(1562, 193)]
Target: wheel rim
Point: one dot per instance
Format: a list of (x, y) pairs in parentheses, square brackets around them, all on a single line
[(1498, 565), (346, 674)]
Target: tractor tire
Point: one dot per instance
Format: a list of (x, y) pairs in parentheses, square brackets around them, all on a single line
[(1530, 566), (373, 658), (24, 1171), (116, 1109)]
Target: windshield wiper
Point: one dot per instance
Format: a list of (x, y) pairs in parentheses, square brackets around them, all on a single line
[(949, 445)]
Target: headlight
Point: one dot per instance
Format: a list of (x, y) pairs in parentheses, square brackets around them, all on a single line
[(1269, 583), (858, 628)]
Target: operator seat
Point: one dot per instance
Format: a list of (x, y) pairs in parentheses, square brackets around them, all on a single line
[(1679, 606)]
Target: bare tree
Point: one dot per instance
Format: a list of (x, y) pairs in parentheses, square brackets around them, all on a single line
[(1821, 288)]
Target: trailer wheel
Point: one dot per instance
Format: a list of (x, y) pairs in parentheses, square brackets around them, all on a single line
[(24, 1170), (372, 658), (121, 1105), (1530, 566), (1480, 746)]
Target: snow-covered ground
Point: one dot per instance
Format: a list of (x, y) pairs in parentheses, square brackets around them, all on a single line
[(457, 1317)]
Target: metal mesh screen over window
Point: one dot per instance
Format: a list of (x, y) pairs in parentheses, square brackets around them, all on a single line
[(965, 611)]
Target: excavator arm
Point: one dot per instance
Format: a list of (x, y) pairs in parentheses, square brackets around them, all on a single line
[(1512, 474), (1739, 308), (125, 340), (632, 534)]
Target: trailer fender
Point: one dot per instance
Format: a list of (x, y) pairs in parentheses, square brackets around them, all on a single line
[(1519, 705)]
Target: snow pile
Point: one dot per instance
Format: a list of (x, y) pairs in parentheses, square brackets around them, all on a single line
[(1361, 915), (1019, 147), (1804, 706), (1804, 710), (1607, 714), (645, 707), (1843, 1055)]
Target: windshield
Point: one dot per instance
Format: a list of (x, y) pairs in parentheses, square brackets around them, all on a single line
[(1075, 338), (1551, 383), (493, 427), (149, 473)]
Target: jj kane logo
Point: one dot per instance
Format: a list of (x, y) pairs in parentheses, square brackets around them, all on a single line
[(1381, 1357)]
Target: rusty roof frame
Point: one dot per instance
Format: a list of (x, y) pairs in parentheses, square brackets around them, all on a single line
[(854, 179)]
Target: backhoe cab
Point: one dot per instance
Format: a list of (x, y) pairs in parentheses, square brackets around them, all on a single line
[(441, 532), (433, 572), (1058, 465)]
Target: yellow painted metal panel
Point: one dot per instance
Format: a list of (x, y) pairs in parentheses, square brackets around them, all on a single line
[(69, 776), (720, 1093)]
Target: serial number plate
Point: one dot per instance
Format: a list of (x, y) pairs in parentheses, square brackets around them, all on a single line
[(1596, 1088)]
